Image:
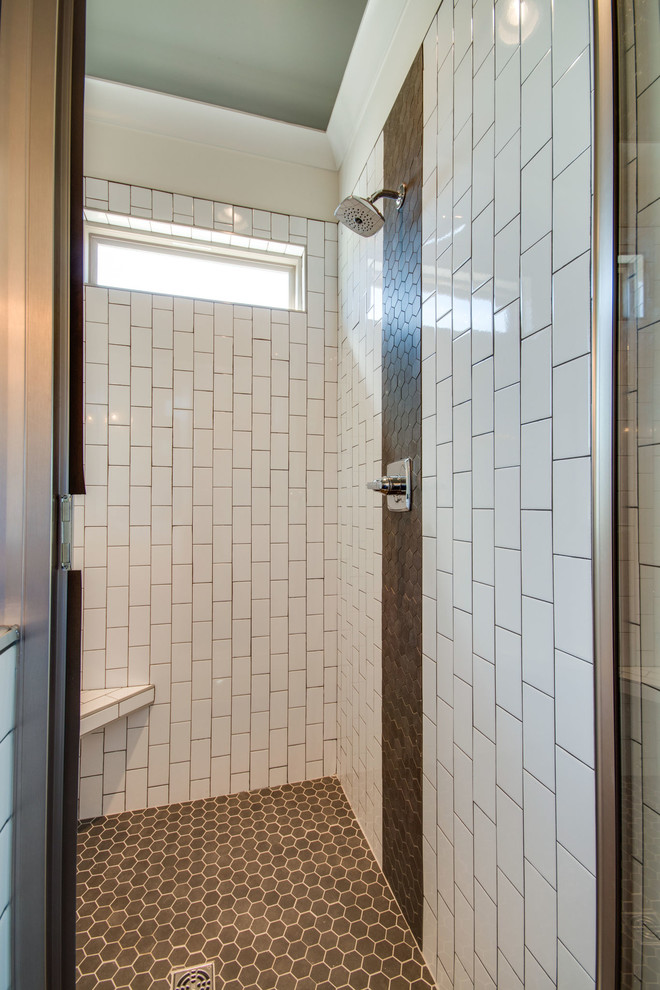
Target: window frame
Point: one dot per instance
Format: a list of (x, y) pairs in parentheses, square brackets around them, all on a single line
[(233, 248)]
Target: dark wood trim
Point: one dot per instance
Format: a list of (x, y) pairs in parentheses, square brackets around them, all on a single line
[(76, 254), (64, 695)]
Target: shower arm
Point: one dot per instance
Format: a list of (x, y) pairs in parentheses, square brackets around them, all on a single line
[(399, 195)]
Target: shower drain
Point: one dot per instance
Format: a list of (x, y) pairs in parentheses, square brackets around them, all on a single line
[(197, 978)]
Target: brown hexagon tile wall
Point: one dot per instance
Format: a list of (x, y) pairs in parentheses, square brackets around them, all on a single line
[(277, 887), (402, 531)]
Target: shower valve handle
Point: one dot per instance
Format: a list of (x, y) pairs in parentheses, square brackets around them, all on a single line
[(388, 485), (397, 485)]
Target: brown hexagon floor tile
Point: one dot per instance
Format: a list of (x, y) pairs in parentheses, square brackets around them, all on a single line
[(277, 887)]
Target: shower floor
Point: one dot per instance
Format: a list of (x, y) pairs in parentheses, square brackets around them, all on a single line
[(278, 888)]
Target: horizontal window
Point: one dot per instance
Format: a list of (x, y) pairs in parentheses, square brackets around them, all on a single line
[(193, 262)]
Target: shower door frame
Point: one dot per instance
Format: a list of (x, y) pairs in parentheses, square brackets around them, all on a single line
[(604, 251), (36, 106)]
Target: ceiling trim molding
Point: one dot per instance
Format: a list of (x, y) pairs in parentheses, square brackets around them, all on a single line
[(145, 110), (387, 41), (159, 161)]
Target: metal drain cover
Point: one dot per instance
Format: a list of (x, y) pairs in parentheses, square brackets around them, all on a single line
[(196, 978)]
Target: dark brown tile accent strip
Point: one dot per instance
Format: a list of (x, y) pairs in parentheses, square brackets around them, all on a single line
[(402, 532), (278, 887)]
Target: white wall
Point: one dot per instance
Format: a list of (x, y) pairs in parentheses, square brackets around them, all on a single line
[(509, 816), (506, 430), (208, 532)]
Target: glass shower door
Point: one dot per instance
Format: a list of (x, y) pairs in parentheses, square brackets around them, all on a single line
[(638, 488)]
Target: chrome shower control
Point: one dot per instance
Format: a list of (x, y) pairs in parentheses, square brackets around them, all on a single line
[(388, 486), (396, 484)]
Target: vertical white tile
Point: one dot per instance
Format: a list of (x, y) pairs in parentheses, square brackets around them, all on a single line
[(573, 596), (537, 574), (576, 809), (482, 397), (572, 507), (571, 203), (508, 589), (507, 99), (538, 735), (571, 408), (536, 41), (485, 852), (507, 264), (572, 310), (570, 974), (541, 920), (571, 114), (536, 198), (536, 286), (570, 33), (576, 910), (483, 698), (536, 377), (540, 831), (509, 755), (507, 182), (510, 840), (538, 644), (574, 690), (507, 508), (511, 924), (536, 465), (508, 666), (485, 930), (536, 109), (482, 30), (507, 346), (507, 427)]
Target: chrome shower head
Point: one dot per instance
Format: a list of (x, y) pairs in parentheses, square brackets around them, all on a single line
[(361, 216)]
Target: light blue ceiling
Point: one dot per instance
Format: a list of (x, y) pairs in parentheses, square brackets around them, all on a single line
[(277, 58)]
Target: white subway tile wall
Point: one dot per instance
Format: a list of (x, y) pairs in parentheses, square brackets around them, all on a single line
[(360, 517), (509, 855), (509, 782), (208, 533)]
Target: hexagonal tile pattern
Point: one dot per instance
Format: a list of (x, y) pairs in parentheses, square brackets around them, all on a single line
[(278, 887), (402, 531)]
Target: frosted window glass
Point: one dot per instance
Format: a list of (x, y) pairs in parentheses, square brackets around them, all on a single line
[(199, 277)]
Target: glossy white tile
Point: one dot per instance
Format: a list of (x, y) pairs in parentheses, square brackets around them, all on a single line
[(576, 803), (536, 109), (571, 206), (571, 108), (576, 910), (536, 198), (574, 689)]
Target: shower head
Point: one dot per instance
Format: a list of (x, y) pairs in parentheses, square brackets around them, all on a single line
[(361, 216)]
